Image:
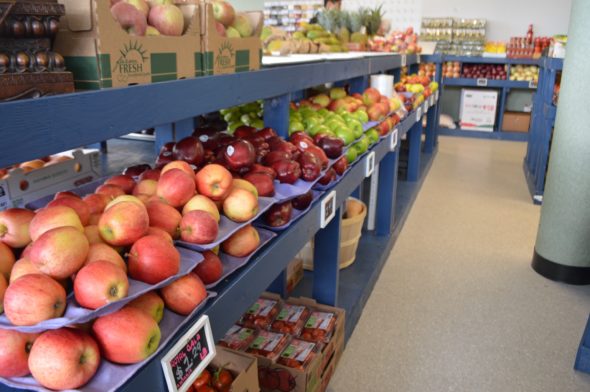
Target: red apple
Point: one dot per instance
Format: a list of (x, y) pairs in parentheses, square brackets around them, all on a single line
[(263, 183), (175, 187), (239, 155), (64, 358), (129, 198), (14, 352), (151, 174), (110, 190), (136, 170), (160, 233), (127, 183), (185, 294), (96, 202), (210, 269), (189, 150), (198, 227), (242, 243), (145, 187), (123, 224), (93, 235), (14, 227), (3, 287), (202, 203), (152, 259), (371, 96), (76, 204), (7, 260), (288, 172), (33, 298), (279, 214), (214, 181), (66, 193), (240, 205), (60, 252), (180, 165), (127, 336), (246, 185), (256, 168), (105, 252), (151, 303), (340, 165), (22, 267), (51, 217), (100, 283), (167, 19), (164, 217), (303, 201)]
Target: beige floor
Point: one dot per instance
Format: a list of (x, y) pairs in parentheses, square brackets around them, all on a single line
[(457, 306)]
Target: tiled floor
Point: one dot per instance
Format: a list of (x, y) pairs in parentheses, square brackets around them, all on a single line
[(457, 306)]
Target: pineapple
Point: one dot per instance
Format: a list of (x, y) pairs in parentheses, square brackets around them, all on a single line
[(343, 32), (330, 20), (373, 20)]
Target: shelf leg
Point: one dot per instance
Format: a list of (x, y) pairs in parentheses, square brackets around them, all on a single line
[(279, 285), (373, 196), (183, 128), (438, 77), (358, 84), (386, 196), (325, 266), (164, 134), (276, 114), (430, 130), (415, 140)]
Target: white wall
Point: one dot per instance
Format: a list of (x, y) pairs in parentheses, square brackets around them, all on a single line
[(506, 18)]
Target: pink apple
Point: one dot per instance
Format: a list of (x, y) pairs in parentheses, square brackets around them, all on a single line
[(105, 252), (175, 187), (167, 19), (126, 183), (146, 187), (240, 205), (164, 216), (180, 165), (198, 227), (242, 243), (160, 233), (152, 259), (3, 287), (151, 174), (64, 358), (7, 260), (99, 283), (93, 235), (60, 252), (127, 336), (76, 204), (151, 303), (120, 199), (124, 223), (51, 217), (210, 269), (34, 298), (202, 203), (14, 227), (94, 219), (185, 294), (14, 352), (23, 267), (214, 181), (141, 5)]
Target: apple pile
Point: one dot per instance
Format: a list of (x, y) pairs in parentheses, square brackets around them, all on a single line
[(230, 23), (521, 73), (486, 71), (148, 17), (451, 69), (403, 42), (33, 165)]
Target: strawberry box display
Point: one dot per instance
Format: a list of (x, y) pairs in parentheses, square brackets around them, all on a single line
[(238, 338), (298, 354), (319, 327), (291, 319), (261, 313), (268, 344)]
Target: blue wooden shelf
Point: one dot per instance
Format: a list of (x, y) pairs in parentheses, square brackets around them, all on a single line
[(490, 60), (489, 83)]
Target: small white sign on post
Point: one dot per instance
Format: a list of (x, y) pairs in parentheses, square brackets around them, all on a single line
[(393, 140), (189, 356), (419, 113), (425, 110), (532, 84), (328, 209), (418, 58), (404, 60), (436, 95), (370, 168), (482, 82), (431, 100)]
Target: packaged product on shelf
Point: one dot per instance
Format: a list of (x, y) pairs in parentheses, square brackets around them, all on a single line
[(243, 367), (291, 319), (101, 53), (261, 313), (238, 338), (319, 327), (268, 344), (298, 354)]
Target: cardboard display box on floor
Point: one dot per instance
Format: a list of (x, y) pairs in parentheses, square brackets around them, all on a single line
[(244, 368), (101, 54), (222, 55), (317, 375), (516, 121)]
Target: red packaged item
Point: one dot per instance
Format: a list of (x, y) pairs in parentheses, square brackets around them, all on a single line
[(291, 319), (319, 327), (298, 354), (268, 344), (238, 338), (261, 314)]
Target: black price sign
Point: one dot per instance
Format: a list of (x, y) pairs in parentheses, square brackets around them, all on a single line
[(328, 209), (189, 356)]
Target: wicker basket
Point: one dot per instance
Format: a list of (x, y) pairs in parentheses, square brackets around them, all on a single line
[(350, 234)]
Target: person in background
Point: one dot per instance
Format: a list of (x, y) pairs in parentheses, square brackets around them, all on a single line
[(333, 4)]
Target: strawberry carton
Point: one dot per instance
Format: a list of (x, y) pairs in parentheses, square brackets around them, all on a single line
[(238, 338), (261, 314)]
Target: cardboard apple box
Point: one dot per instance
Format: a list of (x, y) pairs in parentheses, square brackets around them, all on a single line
[(21, 188), (244, 368), (222, 55), (101, 54)]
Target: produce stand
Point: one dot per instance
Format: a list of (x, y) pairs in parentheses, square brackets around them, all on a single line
[(47, 125)]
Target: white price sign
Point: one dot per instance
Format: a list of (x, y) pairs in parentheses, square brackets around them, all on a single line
[(404, 60), (419, 114), (425, 107), (393, 140), (532, 84), (418, 58), (370, 168), (482, 82), (328, 209), (189, 357), (432, 100), (436, 96)]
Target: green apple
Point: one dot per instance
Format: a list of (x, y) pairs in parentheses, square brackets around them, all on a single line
[(295, 126), (234, 125), (357, 128), (351, 155), (345, 134), (373, 135), (258, 124), (323, 111), (362, 116)]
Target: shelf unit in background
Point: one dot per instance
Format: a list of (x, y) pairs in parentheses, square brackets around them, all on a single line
[(288, 14), (541, 132), (48, 125)]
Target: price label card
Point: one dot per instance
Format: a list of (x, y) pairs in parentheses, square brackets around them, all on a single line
[(532, 84), (404, 60), (425, 110), (370, 165), (418, 59), (436, 98), (189, 357), (328, 209), (393, 140), (419, 114), (432, 100), (482, 82)]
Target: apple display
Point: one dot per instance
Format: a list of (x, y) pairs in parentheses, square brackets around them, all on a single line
[(14, 352), (214, 181), (240, 205), (99, 283), (242, 243), (152, 259), (123, 224), (202, 203), (151, 303), (185, 294), (60, 252), (14, 227), (198, 227), (51, 217)]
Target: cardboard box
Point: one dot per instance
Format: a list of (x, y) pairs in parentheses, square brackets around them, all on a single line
[(101, 54), (222, 55), (516, 121), (478, 109), (294, 273), (21, 188), (240, 364)]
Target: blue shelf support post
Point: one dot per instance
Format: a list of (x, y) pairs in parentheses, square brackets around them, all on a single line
[(164, 134), (276, 114), (386, 196), (430, 131), (415, 140), (279, 285), (326, 268), (184, 128), (359, 84)]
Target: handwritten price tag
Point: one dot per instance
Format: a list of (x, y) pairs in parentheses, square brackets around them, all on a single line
[(419, 114), (404, 60), (187, 359), (328, 209), (482, 82), (393, 140), (370, 168)]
